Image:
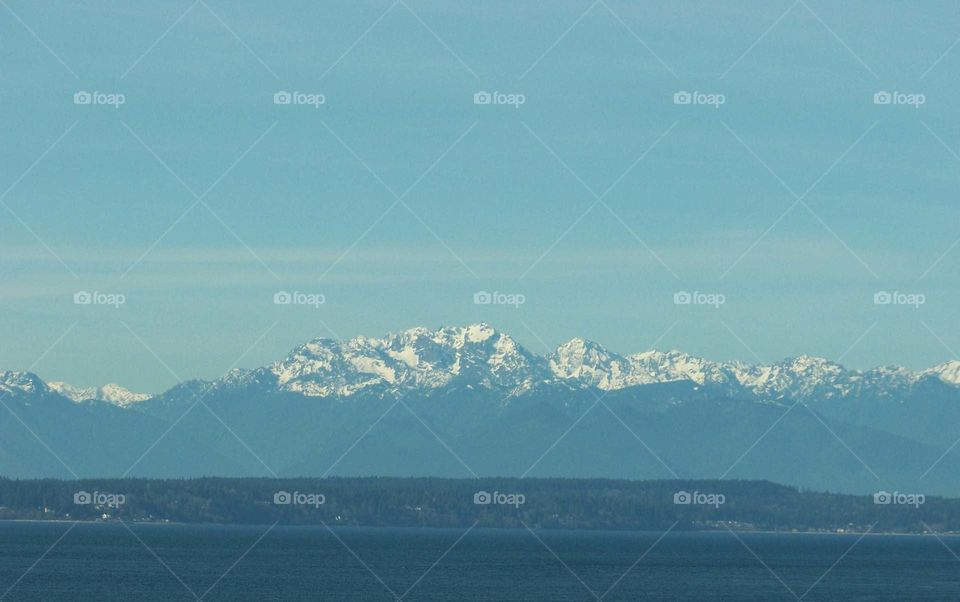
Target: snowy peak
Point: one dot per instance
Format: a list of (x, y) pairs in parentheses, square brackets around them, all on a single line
[(417, 358), (948, 372), (474, 354), (325, 367), (110, 393), (591, 364), (13, 382), (576, 353), (117, 395)]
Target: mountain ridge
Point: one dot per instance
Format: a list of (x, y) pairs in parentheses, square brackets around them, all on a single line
[(479, 355)]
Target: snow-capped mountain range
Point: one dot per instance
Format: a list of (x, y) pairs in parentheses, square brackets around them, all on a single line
[(479, 356)]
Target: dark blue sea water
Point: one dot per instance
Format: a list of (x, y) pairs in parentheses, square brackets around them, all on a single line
[(184, 562)]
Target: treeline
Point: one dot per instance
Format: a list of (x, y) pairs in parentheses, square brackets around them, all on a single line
[(494, 502)]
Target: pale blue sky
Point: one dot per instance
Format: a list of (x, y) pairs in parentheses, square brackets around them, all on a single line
[(499, 210)]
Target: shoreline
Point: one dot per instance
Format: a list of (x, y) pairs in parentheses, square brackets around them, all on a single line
[(427, 528)]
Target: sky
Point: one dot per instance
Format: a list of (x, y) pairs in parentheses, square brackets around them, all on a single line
[(787, 193)]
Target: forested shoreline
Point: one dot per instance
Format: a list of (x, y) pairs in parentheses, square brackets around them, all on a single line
[(493, 502)]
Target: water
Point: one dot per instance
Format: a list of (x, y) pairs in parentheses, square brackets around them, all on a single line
[(107, 562)]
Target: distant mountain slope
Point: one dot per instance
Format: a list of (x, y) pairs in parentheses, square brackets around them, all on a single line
[(45, 434)]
